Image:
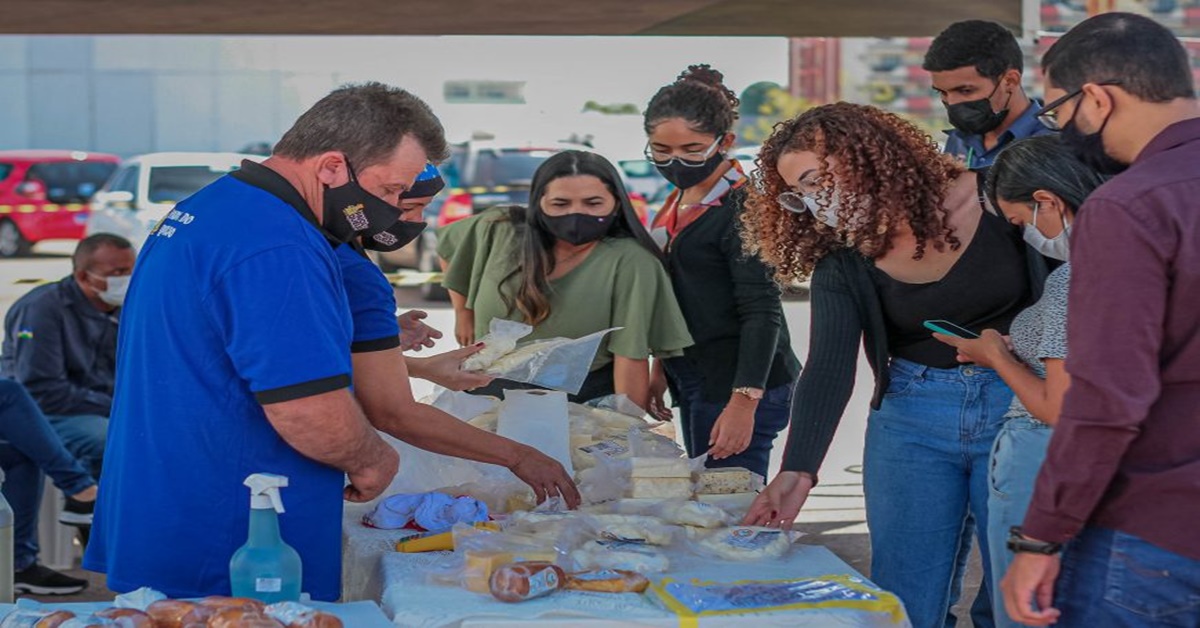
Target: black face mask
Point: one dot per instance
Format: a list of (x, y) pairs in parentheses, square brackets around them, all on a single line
[(975, 117), (394, 237), (684, 177), (577, 228), (350, 210), (1089, 147)]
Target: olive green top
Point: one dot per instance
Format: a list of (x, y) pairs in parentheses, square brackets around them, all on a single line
[(619, 284)]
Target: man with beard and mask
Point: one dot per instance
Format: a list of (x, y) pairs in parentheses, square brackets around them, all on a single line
[(976, 68), (1121, 479), (235, 356), (381, 371), (734, 386), (60, 341)]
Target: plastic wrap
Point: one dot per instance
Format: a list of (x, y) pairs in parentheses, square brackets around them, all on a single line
[(706, 599), (479, 552), (744, 543), (555, 363), (500, 341)]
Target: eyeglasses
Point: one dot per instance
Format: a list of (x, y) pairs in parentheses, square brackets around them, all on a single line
[(1048, 115), (793, 202), (690, 160)]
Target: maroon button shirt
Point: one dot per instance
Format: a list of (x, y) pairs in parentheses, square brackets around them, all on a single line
[(1126, 452)]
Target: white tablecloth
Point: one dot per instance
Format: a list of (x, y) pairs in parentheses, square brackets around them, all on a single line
[(412, 602), (362, 549)]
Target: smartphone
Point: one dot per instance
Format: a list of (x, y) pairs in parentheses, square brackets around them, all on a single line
[(950, 329)]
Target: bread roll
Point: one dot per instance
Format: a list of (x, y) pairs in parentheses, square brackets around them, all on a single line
[(127, 617), (607, 581), (219, 601), (517, 582), (296, 615), (232, 617), (169, 613)]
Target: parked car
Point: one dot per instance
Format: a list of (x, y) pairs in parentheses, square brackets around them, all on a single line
[(44, 195), (145, 188), (479, 174)]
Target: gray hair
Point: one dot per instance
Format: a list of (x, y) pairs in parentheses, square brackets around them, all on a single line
[(1040, 163), (365, 122)]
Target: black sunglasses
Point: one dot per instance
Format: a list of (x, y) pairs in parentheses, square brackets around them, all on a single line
[(1048, 115)]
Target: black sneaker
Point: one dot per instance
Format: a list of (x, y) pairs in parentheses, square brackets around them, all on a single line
[(77, 513), (42, 580)]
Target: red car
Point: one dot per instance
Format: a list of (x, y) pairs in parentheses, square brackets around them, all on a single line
[(44, 194)]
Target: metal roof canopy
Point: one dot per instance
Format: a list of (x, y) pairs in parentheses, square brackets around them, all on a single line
[(792, 18)]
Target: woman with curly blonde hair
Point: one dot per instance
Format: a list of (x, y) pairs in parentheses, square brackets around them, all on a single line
[(892, 234)]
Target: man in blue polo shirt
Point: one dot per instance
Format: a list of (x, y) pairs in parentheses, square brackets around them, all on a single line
[(234, 356), (976, 68)]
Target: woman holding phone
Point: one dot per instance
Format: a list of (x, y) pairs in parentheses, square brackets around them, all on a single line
[(1038, 185), (892, 234)]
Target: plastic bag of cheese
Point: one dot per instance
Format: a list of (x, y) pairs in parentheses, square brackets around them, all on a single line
[(744, 543), (479, 552)]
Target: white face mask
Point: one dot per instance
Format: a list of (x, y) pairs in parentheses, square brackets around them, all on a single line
[(831, 212), (118, 285), (1058, 247)]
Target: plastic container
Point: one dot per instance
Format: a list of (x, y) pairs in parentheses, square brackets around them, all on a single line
[(266, 568)]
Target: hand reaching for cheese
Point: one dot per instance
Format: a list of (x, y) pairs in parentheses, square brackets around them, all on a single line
[(546, 477), (779, 504)]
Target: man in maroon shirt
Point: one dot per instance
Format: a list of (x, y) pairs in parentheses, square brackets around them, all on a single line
[(1120, 487)]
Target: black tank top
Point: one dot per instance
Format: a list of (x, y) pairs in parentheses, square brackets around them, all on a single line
[(985, 289)]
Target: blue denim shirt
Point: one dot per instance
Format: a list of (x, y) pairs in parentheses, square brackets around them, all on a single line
[(970, 150)]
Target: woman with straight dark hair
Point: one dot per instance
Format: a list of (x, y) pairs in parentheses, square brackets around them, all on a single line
[(575, 262), (1038, 185), (734, 386)]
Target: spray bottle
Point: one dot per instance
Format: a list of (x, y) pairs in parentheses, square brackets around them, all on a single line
[(265, 568)]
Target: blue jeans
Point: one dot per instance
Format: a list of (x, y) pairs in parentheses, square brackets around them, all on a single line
[(699, 417), (84, 436), (925, 475), (1111, 579), (1017, 456), (28, 448)]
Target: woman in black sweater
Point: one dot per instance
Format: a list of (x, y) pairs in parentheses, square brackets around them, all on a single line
[(892, 234), (734, 385)]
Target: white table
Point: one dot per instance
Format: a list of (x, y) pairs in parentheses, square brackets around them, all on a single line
[(413, 602)]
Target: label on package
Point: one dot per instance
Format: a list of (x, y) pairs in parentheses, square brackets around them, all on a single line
[(268, 585), (745, 538), (608, 448), (543, 582)]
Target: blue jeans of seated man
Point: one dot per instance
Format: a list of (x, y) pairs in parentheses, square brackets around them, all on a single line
[(29, 448), (699, 416), (1110, 579), (84, 436), (1017, 456), (925, 476)]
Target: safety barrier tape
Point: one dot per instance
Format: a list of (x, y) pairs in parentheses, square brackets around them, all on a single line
[(28, 208)]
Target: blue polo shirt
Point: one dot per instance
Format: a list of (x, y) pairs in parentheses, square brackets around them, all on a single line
[(970, 150), (237, 301), (372, 302)]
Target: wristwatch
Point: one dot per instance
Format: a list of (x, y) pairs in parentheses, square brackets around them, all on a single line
[(747, 391), (1018, 544)]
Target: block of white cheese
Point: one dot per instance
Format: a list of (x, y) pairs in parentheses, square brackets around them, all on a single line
[(660, 468), (636, 528), (660, 488), (737, 504), (726, 481), (747, 543), (635, 557)]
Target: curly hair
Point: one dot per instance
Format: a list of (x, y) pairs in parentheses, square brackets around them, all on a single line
[(698, 95), (887, 174)]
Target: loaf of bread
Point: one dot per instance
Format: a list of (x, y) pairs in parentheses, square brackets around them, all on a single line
[(296, 615), (127, 617), (234, 617), (607, 581), (170, 613), (518, 582)]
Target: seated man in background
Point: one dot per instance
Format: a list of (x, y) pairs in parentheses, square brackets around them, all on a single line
[(61, 343)]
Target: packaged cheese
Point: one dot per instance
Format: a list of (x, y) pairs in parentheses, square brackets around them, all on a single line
[(746, 543), (696, 514), (636, 528), (727, 480), (736, 504), (622, 555), (660, 468), (481, 563), (660, 488), (607, 581)]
